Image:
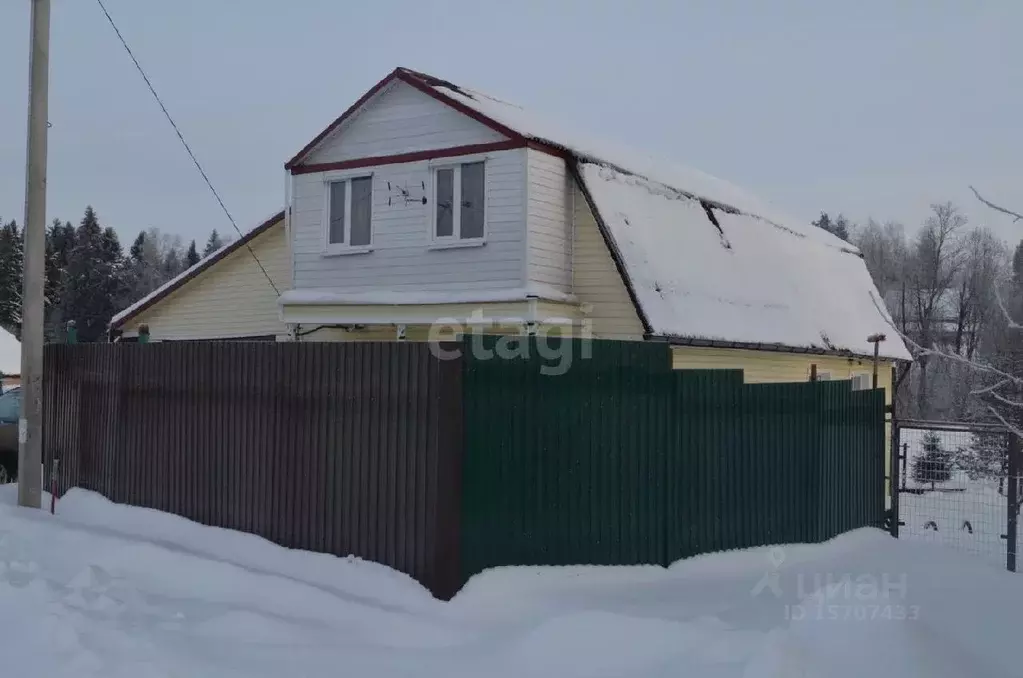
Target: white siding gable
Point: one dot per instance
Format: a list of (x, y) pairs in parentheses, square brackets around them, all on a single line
[(403, 256), (549, 221), (400, 119)]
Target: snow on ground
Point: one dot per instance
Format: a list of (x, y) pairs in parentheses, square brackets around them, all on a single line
[(979, 504), (113, 591), (970, 515)]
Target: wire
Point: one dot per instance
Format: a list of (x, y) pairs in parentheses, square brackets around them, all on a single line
[(184, 143)]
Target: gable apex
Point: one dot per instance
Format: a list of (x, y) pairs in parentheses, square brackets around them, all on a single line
[(404, 78)]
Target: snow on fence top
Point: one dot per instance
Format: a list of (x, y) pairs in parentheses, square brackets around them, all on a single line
[(10, 354)]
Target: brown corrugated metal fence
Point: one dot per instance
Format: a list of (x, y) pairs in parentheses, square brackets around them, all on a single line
[(344, 448)]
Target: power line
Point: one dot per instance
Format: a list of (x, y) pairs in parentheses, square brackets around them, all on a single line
[(184, 143)]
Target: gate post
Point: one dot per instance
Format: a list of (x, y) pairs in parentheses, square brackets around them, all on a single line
[(1013, 450), (893, 477)]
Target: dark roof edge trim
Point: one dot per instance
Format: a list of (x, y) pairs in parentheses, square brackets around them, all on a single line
[(203, 265), (775, 348), (609, 241)]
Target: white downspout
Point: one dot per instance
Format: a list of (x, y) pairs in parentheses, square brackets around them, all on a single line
[(291, 328), (287, 228)]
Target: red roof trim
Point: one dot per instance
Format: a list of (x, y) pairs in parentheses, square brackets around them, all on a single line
[(340, 119), (550, 149), (203, 265), (371, 161), (422, 82), (427, 84)]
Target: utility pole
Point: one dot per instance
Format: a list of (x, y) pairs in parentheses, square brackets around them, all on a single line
[(30, 438)]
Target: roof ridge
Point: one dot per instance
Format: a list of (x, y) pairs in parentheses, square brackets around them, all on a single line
[(713, 204)]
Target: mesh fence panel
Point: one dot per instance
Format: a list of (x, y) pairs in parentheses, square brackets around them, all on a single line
[(954, 489)]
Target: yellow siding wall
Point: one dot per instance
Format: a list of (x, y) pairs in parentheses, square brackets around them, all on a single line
[(765, 366), (232, 298), (595, 280), (770, 366)]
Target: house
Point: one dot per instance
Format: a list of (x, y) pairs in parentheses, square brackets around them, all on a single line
[(229, 295), (10, 360), (553, 232), (430, 204)]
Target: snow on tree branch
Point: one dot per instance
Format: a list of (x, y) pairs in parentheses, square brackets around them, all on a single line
[(919, 351), (1016, 216), (1015, 430), (990, 389), (1012, 324), (1005, 401)]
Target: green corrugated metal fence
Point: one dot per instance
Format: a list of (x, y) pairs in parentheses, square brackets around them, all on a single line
[(621, 460)]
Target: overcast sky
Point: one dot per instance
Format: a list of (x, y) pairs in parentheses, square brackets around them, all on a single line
[(872, 108)]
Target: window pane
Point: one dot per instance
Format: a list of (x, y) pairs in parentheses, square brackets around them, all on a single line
[(336, 232), (445, 199), (362, 210), (472, 200)]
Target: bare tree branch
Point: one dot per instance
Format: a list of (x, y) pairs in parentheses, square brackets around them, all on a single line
[(1013, 325), (919, 350), (1016, 216), (1014, 429), (989, 389), (1002, 399)]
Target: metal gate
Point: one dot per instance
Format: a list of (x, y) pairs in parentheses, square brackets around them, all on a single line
[(958, 485)]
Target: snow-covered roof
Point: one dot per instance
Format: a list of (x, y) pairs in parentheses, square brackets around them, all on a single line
[(742, 280), (756, 277), (189, 273), (10, 354), (685, 179)]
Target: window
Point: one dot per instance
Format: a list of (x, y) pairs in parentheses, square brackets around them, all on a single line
[(459, 199), (824, 376), (862, 382), (10, 406), (349, 214)]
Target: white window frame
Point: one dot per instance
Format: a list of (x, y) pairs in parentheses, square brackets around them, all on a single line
[(824, 376), (333, 249), (455, 239)]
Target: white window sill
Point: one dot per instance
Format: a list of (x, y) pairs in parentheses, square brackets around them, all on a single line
[(343, 252), (457, 244)]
